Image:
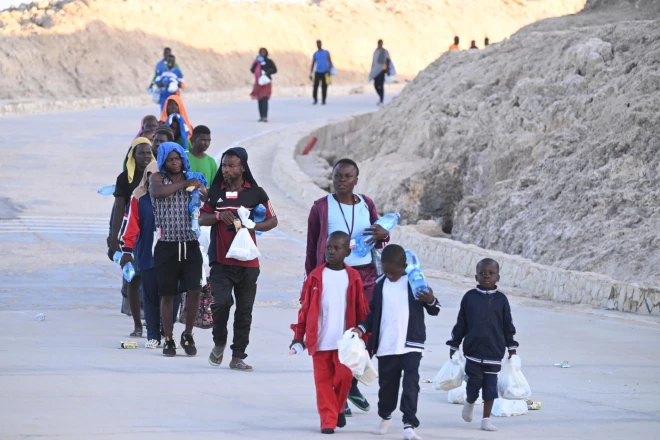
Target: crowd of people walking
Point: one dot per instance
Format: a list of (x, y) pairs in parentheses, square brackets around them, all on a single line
[(155, 228)]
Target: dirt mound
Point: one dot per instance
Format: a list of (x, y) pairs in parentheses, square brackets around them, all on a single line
[(96, 48), (546, 145)]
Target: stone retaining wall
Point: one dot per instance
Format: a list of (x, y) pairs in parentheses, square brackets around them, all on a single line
[(532, 279)]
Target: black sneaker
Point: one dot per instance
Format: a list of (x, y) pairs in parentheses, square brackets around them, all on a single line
[(347, 411), (169, 349), (341, 420), (327, 431), (357, 399), (188, 344)]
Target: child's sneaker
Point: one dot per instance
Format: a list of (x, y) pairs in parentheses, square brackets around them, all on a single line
[(347, 411), (410, 434), (383, 426), (468, 409), (152, 343), (169, 349), (486, 425)]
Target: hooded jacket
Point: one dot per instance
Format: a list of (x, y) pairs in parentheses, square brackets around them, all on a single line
[(308, 316)]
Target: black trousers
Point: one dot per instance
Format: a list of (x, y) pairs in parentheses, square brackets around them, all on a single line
[(319, 78), (243, 282), (389, 377), (379, 85), (263, 108)]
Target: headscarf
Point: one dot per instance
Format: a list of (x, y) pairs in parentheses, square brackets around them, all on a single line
[(165, 149), (141, 189), (214, 192), (130, 157), (182, 111), (184, 130)]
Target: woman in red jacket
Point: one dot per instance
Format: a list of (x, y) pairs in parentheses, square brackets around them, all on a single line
[(354, 214), (332, 302)]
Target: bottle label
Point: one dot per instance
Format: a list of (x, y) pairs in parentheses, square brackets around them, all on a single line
[(353, 244)]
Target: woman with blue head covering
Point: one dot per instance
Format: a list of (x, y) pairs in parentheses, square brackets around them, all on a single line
[(177, 256)]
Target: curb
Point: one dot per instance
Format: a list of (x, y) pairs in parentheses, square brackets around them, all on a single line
[(529, 278)]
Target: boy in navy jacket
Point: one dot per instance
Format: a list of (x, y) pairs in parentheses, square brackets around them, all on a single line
[(485, 326), (398, 333)]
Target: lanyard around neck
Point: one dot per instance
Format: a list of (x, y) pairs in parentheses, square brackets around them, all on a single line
[(350, 230)]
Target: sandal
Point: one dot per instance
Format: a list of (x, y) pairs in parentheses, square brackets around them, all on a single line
[(240, 366), (136, 334), (215, 360)]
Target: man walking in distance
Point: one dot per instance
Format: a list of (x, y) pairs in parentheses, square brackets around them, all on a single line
[(233, 187), (323, 64), (177, 258)]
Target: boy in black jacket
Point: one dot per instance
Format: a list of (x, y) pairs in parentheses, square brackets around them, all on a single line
[(484, 320), (398, 333)]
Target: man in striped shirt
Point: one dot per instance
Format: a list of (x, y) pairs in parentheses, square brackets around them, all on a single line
[(233, 187)]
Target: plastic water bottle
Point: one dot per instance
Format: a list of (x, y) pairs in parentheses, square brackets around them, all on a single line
[(259, 216), (40, 317), (388, 222), (417, 282), (195, 205), (116, 257), (106, 190), (296, 348), (412, 262), (129, 272), (130, 344)]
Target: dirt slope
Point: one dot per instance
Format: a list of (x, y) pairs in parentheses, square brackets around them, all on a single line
[(94, 48), (546, 145)]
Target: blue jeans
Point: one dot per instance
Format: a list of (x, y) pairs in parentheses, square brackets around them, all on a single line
[(151, 301)]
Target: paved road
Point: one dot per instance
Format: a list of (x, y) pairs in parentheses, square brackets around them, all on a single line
[(65, 378)]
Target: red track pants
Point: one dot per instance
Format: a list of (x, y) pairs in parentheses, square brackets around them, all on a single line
[(333, 381)]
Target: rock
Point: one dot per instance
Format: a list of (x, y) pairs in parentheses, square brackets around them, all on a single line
[(44, 21), (43, 4), (544, 145)]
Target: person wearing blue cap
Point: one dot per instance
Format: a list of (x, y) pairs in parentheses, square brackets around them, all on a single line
[(177, 257)]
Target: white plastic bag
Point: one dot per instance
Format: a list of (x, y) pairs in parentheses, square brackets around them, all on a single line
[(457, 395), (353, 353), (370, 373), (333, 71), (511, 383), (451, 374), (244, 215), (243, 247), (263, 79), (509, 408)]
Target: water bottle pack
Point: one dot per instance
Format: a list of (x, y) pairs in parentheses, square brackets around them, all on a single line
[(194, 206)]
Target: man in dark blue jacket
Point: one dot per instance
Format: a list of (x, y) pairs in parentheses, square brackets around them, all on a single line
[(485, 326), (398, 333)]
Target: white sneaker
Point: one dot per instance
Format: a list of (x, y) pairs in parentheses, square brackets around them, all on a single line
[(486, 425), (468, 409), (152, 343), (410, 434), (383, 427)]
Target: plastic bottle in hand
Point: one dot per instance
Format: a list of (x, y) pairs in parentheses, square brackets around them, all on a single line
[(116, 257), (296, 348), (417, 282), (129, 272), (259, 215), (388, 222), (412, 262), (195, 205), (106, 190)]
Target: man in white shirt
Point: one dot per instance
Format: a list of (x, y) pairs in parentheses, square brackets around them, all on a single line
[(398, 333)]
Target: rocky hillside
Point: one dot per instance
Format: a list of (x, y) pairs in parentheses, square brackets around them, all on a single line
[(97, 48), (545, 145)]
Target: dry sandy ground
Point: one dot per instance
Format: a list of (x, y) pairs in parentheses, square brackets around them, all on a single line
[(96, 48)]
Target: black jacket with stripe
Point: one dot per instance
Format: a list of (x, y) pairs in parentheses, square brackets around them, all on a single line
[(416, 334), (485, 326)]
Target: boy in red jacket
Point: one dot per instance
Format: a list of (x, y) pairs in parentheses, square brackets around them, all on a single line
[(332, 302)]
